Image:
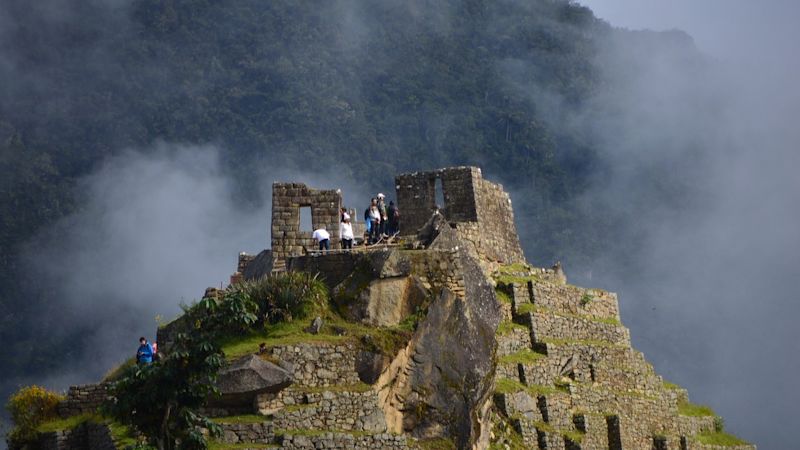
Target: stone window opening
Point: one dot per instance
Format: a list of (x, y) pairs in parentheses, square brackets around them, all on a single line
[(306, 221), (438, 193)]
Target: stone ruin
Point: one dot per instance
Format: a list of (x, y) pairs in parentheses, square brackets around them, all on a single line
[(506, 355)]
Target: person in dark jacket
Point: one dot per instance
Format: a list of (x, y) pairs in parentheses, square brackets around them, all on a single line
[(394, 218), (145, 353)]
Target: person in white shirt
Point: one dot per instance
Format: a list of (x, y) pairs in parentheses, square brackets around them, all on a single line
[(346, 232), (323, 237), (375, 221)]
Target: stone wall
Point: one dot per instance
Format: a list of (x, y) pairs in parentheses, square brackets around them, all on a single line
[(320, 365), (83, 399), (240, 433), (287, 199), (338, 440), (479, 210), (334, 410), (94, 436)]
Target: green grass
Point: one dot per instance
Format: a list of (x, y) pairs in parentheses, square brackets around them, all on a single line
[(670, 385), (693, 410), (503, 296), (116, 372), (590, 342), (508, 386), (544, 426), (574, 436), (719, 438), (531, 308), (507, 327), (122, 435), (387, 340), (68, 423), (216, 445), (246, 418), (522, 357)]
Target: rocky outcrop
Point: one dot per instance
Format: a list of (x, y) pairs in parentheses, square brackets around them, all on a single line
[(440, 384)]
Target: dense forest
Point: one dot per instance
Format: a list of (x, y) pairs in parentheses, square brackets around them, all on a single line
[(369, 87)]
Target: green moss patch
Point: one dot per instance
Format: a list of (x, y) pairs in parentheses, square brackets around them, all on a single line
[(529, 308), (68, 423), (503, 296), (671, 386), (216, 445), (522, 357), (509, 386), (693, 410), (719, 438), (246, 418), (507, 327)]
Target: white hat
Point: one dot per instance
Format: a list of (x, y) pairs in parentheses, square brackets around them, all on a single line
[(381, 195), (345, 216)]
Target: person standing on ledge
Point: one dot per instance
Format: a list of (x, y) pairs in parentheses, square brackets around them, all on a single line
[(394, 218), (323, 237), (145, 353), (346, 232)]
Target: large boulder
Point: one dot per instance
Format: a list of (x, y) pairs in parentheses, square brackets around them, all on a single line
[(244, 379), (441, 384), (385, 301)]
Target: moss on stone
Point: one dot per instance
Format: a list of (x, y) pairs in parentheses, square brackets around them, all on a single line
[(509, 386), (68, 423), (693, 410), (529, 308), (719, 438), (522, 357), (216, 445), (503, 296), (574, 436), (245, 418), (670, 385), (507, 327)]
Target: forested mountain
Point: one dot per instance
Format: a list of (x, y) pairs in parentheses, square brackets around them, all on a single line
[(369, 87)]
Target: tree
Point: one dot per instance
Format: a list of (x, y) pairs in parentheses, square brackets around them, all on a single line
[(161, 400)]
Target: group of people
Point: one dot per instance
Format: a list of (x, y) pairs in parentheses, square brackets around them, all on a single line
[(381, 221)]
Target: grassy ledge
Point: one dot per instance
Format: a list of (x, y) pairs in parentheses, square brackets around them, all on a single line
[(531, 308), (508, 386), (507, 327), (522, 357), (693, 410), (246, 418), (216, 445), (719, 438)]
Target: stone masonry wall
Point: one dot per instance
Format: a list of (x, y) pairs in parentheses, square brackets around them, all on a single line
[(83, 399), (287, 199), (320, 365), (335, 440), (499, 240)]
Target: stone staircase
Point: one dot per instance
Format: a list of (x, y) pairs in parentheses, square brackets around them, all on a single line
[(568, 378)]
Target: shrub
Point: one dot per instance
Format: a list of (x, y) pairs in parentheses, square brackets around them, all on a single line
[(29, 407), (286, 296)]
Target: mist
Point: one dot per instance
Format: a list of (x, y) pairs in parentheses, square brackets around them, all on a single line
[(709, 290), (696, 159)]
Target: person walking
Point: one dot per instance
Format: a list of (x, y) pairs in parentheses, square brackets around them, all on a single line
[(323, 237), (144, 355), (346, 232)]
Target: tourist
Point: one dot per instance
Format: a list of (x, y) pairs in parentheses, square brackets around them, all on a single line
[(368, 223), (145, 353), (323, 237), (346, 232), (394, 218), (382, 210), (375, 221), (342, 213)]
